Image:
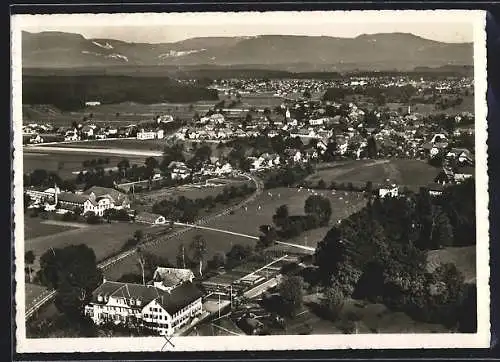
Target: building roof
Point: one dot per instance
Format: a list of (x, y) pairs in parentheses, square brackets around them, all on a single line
[(172, 301), (99, 192), (71, 197), (171, 277), (147, 217)]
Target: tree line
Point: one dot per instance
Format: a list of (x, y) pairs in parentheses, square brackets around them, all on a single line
[(184, 209), (70, 93), (317, 213), (379, 254)]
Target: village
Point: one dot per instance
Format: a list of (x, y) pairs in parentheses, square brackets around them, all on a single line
[(235, 142)]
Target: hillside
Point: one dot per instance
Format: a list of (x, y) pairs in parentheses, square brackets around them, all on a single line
[(395, 51)]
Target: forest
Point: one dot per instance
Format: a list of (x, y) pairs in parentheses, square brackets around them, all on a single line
[(69, 93)]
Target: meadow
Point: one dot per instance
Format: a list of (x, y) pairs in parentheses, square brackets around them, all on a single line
[(119, 143), (65, 164), (116, 114), (104, 239), (35, 228), (402, 172)]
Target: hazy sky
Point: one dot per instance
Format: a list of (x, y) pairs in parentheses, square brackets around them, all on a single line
[(169, 28)]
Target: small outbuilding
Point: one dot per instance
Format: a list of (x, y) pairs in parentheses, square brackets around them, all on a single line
[(150, 218)]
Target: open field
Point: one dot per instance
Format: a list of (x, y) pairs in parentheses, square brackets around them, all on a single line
[(35, 228), (117, 114), (463, 257), (248, 221), (132, 144), (104, 239), (67, 163), (145, 200), (402, 172)]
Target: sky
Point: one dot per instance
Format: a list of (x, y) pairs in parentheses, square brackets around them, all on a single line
[(176, 27)]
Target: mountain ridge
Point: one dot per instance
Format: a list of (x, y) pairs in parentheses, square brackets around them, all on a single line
[(381, 51)]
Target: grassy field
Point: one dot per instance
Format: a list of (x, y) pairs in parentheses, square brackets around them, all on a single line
[(66, 164), (248, 221), (402, 172), (463, 257), (104, 239), (35, 228), (132, 144), (120, 113), (145, 200), (32, 292)]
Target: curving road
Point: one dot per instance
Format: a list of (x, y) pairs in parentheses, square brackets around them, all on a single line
[(50, 294)]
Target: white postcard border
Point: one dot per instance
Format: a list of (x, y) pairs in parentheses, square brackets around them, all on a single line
[(481, 339)]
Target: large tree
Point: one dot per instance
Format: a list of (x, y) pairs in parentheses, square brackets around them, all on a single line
[(291, 292), (319, 207), (199, 249), (333, 301), (29, 259), (280, 218), (73, 272)]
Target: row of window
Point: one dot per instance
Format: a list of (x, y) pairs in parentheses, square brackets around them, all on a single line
[(155, 316)]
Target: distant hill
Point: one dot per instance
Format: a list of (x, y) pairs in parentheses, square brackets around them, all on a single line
[(394, 51)]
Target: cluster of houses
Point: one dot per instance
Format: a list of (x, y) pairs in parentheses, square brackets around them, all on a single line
[(42, 132), (95, 199), (165, 304)]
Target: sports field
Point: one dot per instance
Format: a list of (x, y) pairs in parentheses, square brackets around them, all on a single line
[(402, 172), (261, 211)]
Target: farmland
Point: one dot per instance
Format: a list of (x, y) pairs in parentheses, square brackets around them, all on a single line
[(128, 143), (67, 163), (104, 239), (35, 228), (247, 221), (402, 172), (115, 114)]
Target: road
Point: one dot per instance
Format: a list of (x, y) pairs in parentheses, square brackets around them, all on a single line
[(107, 151), (50, 294), (197, 226)]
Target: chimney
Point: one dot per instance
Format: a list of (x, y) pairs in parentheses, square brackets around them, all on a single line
[(103, 279)]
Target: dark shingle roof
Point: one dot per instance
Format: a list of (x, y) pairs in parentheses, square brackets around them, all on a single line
[(71, 197), (99, 191), (172, 302)]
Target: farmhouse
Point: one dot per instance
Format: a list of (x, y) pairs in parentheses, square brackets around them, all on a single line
[(150, 135), (169, 278), (179, 170), (154, 308), (150, 218), (96, 199)]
